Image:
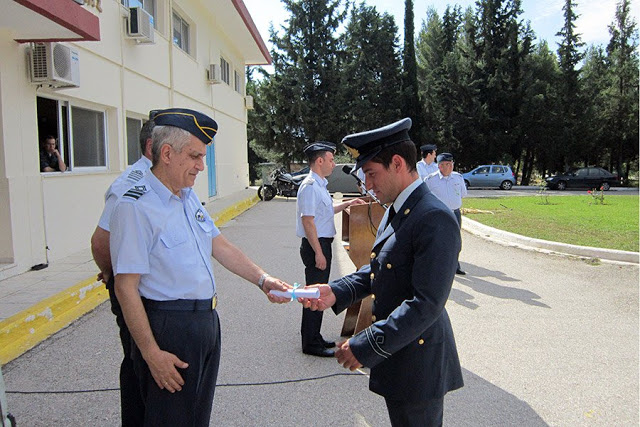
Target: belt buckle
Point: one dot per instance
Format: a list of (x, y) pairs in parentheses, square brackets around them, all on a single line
[(214, 302)]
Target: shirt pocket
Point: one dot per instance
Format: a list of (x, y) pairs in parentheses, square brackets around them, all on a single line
[(172, 239), (206, 226)]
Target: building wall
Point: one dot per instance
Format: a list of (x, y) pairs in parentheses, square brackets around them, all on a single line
[(123, 79)]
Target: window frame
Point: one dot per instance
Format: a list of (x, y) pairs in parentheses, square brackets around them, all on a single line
[(65, 135), (183, 22), (141, 121), (238, 82), (225, 70), (151, 10)]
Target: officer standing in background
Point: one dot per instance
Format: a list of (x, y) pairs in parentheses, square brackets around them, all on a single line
[(132, 410), (427, 165), (161, 242), (315, 226), (410, 347), (449, 187)]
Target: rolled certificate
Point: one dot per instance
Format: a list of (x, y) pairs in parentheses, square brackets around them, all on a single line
[(311, 293)]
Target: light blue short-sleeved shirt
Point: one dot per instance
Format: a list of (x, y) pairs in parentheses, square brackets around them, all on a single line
[(314, 200), (449, 189), (166, 239), (424, 169), (125, 181)]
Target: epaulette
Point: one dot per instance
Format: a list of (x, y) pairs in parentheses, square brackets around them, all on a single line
[(311, 180), (135, 175), (432, 174), (135, 192)]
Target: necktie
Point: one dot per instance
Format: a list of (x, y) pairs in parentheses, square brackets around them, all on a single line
[(392, 213)]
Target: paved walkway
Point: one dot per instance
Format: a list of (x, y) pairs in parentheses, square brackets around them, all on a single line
[(36, 304)]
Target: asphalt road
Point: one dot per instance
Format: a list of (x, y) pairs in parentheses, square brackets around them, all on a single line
[(543, 339)]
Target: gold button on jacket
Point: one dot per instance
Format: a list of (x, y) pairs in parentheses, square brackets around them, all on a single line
[(373, 255), (420, 341), (389, 266), (373, 318)]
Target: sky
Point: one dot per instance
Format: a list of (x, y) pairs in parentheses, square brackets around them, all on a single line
[(546, 16)]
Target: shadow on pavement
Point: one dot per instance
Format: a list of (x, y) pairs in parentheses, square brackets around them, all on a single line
[(480, 403), (490, 288)]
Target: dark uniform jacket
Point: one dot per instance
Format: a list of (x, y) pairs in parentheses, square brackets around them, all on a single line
[(410, 346)]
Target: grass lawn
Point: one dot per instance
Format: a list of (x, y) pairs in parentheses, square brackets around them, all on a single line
[(569, 219)]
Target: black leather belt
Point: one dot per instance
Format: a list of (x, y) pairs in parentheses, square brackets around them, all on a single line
[(328, 239), (182, 304)]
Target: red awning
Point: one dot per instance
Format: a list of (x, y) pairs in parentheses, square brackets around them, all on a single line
[(49, 20)]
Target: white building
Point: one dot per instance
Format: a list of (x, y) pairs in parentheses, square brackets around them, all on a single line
[(125, 58)]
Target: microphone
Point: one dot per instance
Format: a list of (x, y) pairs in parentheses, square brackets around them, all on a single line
[(363, 189)]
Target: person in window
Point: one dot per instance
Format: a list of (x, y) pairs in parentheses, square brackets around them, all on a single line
[(50, 158)]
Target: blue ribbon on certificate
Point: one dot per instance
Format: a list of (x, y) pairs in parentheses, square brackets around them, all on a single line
[(293, 291)]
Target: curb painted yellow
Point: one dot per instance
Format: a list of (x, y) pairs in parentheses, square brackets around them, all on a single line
[(28, 328), (231, 212), (23, 331)]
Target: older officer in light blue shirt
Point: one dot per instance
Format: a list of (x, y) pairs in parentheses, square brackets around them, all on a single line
[(162, 240), (129, 391), (449, 187), (315, 227)]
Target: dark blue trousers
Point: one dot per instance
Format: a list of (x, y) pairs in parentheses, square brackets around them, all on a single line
[(459, 218), (194, 337), (131, 406), (426, 413), (312, 320)]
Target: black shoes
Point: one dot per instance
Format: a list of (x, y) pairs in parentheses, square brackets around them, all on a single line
[(318, 351), (460, 272), (320, 347), (328, 344)]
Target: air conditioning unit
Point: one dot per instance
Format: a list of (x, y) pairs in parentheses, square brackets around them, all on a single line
[(248, 102), (140, 25), (54, 64), (213, 74)]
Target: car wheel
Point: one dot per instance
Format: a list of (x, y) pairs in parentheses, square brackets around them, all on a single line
[(562, 185), (605, 186), (266, 192), (506, 185), (466, 184)]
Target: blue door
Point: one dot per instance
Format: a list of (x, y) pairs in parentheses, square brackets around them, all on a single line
[(211, 169)]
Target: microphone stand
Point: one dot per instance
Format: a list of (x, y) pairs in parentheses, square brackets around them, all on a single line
[(363, 189)]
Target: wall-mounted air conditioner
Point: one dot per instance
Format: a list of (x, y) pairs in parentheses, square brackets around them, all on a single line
[(54, 64), (213, 74), (248, 102), (140, 25)]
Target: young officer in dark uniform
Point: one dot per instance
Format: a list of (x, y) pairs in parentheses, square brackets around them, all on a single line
[(315, 226), (410, 346), (161, 242)]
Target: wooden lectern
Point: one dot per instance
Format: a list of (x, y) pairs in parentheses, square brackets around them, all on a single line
[(359, 226)]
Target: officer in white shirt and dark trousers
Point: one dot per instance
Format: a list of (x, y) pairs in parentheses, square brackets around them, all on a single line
[(427, 165), (449, 187), (315, 226)]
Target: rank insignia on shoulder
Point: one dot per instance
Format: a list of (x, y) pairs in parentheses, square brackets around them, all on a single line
[(135, 192), (199, 215), (135, 175)]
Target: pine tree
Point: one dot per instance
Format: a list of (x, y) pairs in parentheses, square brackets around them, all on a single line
[(570, 56), (622, 111), (300, 97), (371, 70), (411, 101)]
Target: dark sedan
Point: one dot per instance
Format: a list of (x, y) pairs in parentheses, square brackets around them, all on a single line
[(597, 178)]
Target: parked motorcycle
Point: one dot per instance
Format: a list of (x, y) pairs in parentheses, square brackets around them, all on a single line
[(282, 184)]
